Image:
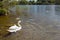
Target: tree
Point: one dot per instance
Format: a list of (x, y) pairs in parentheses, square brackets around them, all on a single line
[(23, 2)]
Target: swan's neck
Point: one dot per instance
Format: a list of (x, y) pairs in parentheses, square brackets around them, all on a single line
[(19, 24)]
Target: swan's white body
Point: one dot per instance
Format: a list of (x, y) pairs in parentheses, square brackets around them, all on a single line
[(15, 28)]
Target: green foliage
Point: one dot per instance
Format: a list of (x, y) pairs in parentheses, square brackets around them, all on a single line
[(31, 2), (3, 11), (5, 5), (38, 2), (13, 3), (23, 2), (1, 4)]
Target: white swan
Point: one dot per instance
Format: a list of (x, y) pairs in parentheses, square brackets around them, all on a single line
[(15, 28)]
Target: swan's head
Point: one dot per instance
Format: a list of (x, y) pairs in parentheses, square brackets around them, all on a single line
[(17, 18), (19, 21)]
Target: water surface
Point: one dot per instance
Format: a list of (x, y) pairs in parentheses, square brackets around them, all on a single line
[(39, 22)]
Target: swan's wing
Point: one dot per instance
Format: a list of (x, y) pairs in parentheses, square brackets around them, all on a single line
[(15, 30), (13, 27), (19, 28), (12, 30)]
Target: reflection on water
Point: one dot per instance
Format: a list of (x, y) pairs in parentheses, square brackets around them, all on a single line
[(40, 22)]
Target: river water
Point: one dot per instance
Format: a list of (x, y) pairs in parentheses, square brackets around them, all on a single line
[(39, 22)]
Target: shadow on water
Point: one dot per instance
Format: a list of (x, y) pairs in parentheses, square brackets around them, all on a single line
[(7, 34)]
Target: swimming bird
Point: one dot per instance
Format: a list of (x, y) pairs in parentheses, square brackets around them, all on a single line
[(15, 28)]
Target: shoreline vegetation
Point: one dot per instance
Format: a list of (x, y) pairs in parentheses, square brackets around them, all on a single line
[(4, 7), (37, 2)]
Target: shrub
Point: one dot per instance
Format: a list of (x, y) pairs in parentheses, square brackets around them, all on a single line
[(2, 12), (1, 4)]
